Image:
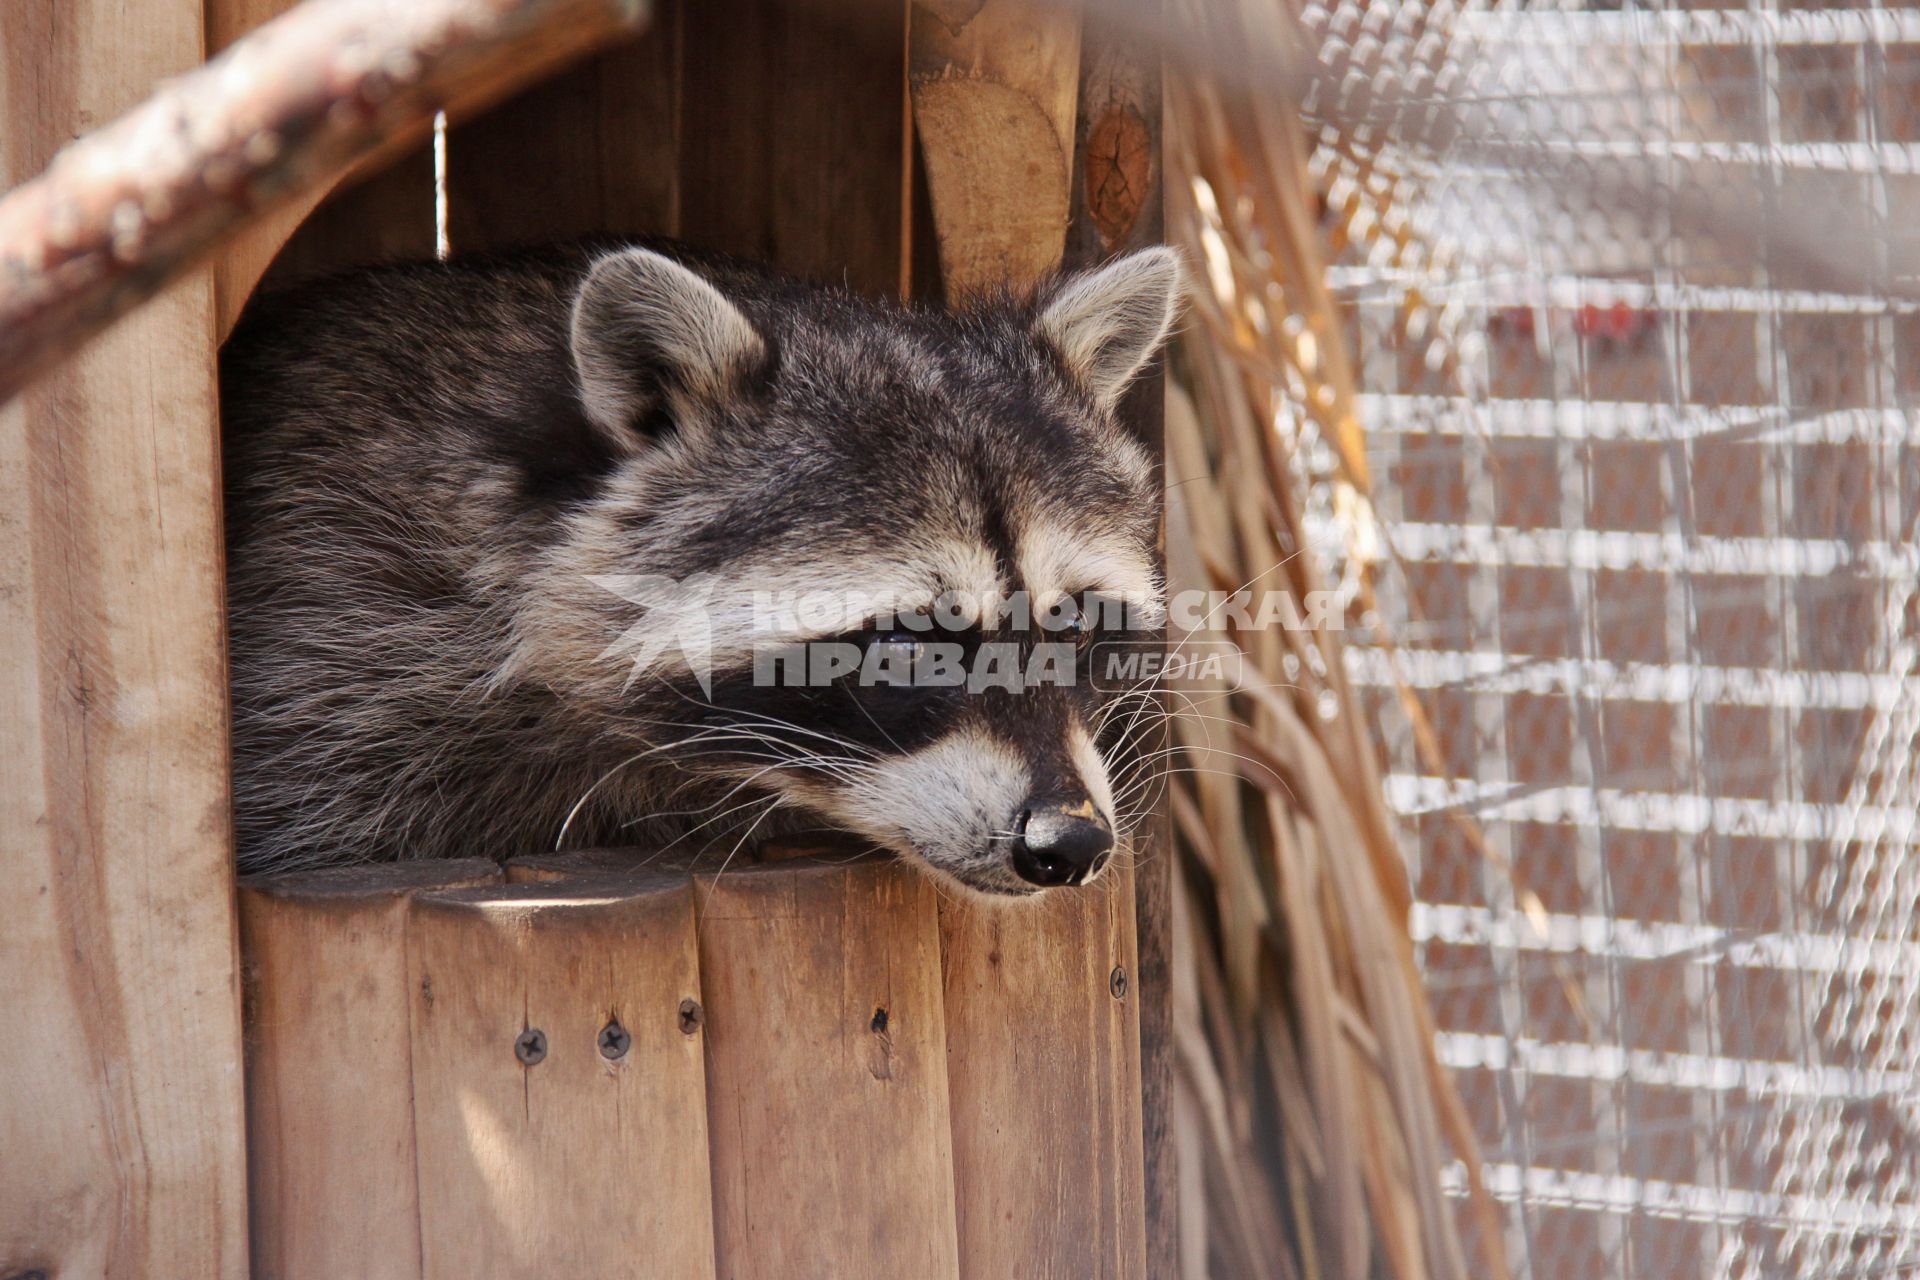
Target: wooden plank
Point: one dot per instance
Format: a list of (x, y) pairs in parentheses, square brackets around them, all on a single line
[(795, 138), (594, 151), (122, 1119), (331, 1176), (543, 1154), (383, 216), (826, 1077), (601, 170), (1118, 207), (1043, 1067), (994, 86), (583, 864), (1043, 1031), (385, 211)]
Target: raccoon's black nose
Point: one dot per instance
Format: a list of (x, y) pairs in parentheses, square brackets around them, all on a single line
[(1060, 842)]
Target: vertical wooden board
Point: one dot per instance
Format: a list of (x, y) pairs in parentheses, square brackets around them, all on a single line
[(384, 216), (593, 150), (1043, 1066), (994, 85), (330, 1148), (795, 138), (1118, 207), (384, 211), (572, 1163), (120, 1080), (825, 1072)]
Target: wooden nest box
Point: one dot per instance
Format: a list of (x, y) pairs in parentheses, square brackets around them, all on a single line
[(808, 1066)]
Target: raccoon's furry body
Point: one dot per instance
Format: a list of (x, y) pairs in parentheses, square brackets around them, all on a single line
[(432, 471)]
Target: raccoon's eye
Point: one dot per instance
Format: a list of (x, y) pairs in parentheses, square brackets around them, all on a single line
[(898, 636), (1083, 627), (1078, 633)]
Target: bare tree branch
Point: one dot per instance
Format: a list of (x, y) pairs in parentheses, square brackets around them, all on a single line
[(125, 209)]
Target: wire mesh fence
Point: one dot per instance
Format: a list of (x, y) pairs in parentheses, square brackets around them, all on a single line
[(1635, 301)]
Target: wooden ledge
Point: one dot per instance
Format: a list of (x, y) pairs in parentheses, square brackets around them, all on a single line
[(809, 1062)]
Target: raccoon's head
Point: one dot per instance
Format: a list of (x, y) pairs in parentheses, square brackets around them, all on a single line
[(822, 506)]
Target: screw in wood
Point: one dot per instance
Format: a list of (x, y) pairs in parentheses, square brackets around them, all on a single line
[(615, 1040), (1117, 982), (531, 1047), (691, 1015)]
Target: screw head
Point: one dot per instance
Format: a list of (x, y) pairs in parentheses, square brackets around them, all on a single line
[(691, 1015), (1117, 982), (615, 1040), (531, 1047)]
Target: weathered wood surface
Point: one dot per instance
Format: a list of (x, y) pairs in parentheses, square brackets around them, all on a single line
[(994, 87), (1117, 208), (121, 1149), (332, 1188), (593, 152), (1043, 1070), (795, 137), (559, 1088), (827, 1071), (128, 208)]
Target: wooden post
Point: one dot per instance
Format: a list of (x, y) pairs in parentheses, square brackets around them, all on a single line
[(826, 1072), (383, 209), (121, 1147), (1117, 208), (993, 102), (559, 1092), (1053, 989), (329, 1094), (1044, 1070)]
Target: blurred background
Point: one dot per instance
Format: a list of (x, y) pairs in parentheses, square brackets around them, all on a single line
[(1593, 343)]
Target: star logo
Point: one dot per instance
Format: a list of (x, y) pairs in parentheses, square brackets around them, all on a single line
[(674, 616)]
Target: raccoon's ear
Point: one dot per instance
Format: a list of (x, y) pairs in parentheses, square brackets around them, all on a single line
[(644, 327), (1108, 322)]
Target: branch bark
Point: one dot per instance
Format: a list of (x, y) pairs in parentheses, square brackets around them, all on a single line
[(124, 210)]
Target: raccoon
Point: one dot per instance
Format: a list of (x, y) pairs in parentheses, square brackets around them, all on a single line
[(481, 513)]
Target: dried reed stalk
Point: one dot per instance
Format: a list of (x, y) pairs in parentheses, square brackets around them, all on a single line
[(1320, 1116)]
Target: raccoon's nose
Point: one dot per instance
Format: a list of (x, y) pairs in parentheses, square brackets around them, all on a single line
[(1060, 841)]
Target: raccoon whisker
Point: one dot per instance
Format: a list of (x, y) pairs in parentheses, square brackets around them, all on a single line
[(1277, 565), (560, 840), (1147, 686), (1203, 720), (855, 699), (725, 813), (751, 733), (1146, 703), (778, 801), (573, 813), (1162, 776), (761, 724), (1187, 711), (842, 766), (758, 717), (845, 768)]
